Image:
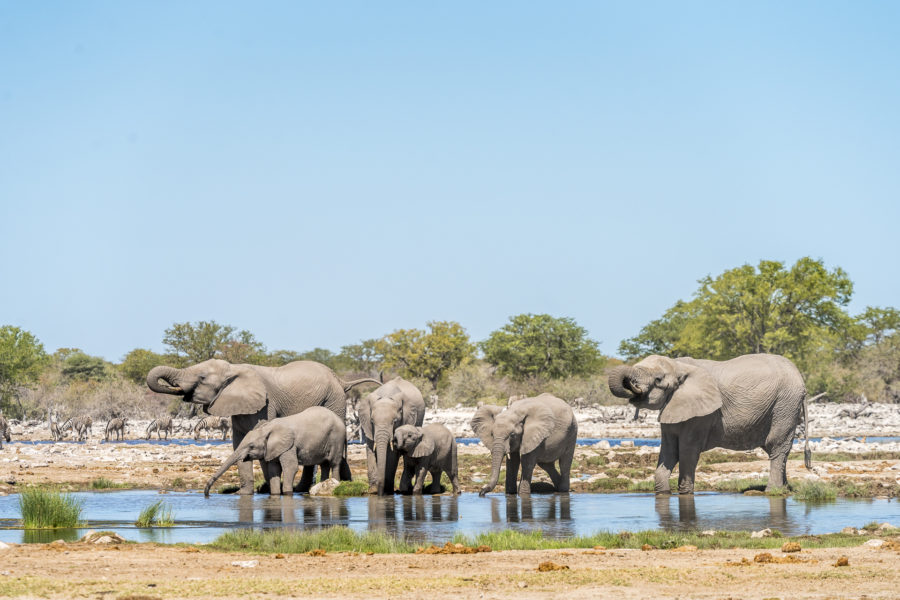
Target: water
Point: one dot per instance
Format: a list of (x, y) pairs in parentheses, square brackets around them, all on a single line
[(438, 518)]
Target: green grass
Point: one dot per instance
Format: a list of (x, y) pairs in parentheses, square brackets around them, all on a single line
[(814, 491), (229, 489), (352, 488), (332, 539), (740, 485), (157, 514), (178, 482), (48, 509), (642, 486), (102, 483)]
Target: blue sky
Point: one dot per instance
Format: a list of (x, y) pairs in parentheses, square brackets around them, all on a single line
[(324, 173)]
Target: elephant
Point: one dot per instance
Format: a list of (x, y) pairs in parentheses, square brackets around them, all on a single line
[(429, 449), (751, 401), (315, 436), (539, 430), (395, 403), (250, 393)]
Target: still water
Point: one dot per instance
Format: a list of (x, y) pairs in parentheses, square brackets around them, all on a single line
[(438, 518)]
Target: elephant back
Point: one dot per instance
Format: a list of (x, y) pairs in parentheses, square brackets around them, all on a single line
[(302, 384)]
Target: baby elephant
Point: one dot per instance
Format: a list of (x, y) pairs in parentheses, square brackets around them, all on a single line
[(315, 436), (427, 449)]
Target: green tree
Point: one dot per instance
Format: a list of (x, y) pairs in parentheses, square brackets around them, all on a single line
[(364, 357), (79, 366), (541, 346), (22, 358), (137, 363), (797, 312), (427, 354), (203, 340)]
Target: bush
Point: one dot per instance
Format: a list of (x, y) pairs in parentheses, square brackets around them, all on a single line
[(47, 509), (814, 491), (157, 514), (351, 488)]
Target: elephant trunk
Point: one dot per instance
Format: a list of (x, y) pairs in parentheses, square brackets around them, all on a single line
[(236, 456), (382, 439), (497, 453), (167, 374), (620, 382)]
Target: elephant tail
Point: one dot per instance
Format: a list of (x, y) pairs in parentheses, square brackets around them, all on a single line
[(807, 454), (348, 385)]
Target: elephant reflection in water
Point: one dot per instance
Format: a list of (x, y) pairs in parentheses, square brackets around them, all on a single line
[(275, 509), (325, 511), (687, 515), (520, 509), (430, 509)]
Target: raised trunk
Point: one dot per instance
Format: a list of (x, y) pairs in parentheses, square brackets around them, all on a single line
[(167, 374), (381, 451), (617, 381), (236, 456), (497, 453)]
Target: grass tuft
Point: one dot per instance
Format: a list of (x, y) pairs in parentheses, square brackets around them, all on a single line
[(331, 539), (352, 488), (48, 509), (157, 514), (814, 491), (102, 483)]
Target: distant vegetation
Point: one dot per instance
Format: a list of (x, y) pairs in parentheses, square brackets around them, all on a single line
[(799, 311)]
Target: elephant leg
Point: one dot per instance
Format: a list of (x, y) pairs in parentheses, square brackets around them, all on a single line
[(273, 471), (406, 477), (420, 478), (245, 472), (550, 468), (435, 487), (528, 462), (344, 473), (512, 472), (371, 469), (565, 469), (778, 458), (390, 473), (668, 458), (325, 470), (289, 467), (688, 457), (454, 481), (306, 479)]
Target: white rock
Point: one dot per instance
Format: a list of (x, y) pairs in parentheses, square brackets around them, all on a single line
[(4, 546), (604, 445), (708, 533), (874, 543), (763, 533), (245, 564), (324, 488), (886, 527), (626, 444)]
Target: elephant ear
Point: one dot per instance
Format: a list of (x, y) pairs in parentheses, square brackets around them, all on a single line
[(279, 441), (697, 395), (244, 393), (364, 410), (483, 422), (538, 425), (425, 447)]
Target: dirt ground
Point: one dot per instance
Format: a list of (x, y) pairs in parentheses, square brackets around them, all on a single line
[(149, 571)]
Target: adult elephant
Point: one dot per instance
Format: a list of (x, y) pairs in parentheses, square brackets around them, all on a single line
[(748, 402), (395, 403), (532, 431), (250, 393)]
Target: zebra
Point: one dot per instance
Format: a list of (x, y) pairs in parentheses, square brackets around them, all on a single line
[(159, 425), (115, 426), (81, 425), (208, 424), (55, 432), (4, 430)]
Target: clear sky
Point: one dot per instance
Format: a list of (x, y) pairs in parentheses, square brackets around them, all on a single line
[(321, 173)]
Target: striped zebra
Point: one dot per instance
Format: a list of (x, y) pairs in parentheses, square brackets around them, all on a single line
[(115, 426), (4, 429), (209, 424), (80, 425), (159, 425)]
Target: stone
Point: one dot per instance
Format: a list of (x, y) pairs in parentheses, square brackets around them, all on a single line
[(102, 537), (245, 564), (790, 547), (762, 533), (850, 531), (4, 546), (626, 444), (874, 543), (886, 527), (602, 445), (324, 488), (708, 533)]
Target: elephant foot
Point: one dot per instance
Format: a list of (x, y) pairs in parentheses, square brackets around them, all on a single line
[(245, 491)]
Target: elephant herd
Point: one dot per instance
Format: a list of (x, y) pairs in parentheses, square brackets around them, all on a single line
[(293, 416)]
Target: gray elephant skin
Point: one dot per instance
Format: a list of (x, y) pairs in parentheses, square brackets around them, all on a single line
[(395, 403), (752, 401), (251, 393), (429, 449), (532, 431), (315, 436)]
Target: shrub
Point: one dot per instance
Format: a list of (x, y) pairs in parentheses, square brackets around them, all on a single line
[(157, 514), (814, 491), (351, 488), (331, 539), (48, 509)]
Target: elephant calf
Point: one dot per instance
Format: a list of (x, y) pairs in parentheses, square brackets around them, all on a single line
[(315, 436), (430, 449)]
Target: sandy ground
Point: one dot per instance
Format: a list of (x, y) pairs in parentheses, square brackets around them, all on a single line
[(147, 571)]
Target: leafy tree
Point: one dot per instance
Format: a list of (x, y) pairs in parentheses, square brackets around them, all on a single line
[(138, 363), (22, 358), (364, 357), (203, 340), (427, 354), (278, 358), (79, 366), (541, 346), (797, 312)]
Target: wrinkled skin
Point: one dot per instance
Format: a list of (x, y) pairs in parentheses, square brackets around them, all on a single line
[(532, 431), (429, 449), (395, 403), (752, 401), (313, 437), (251, 393)]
